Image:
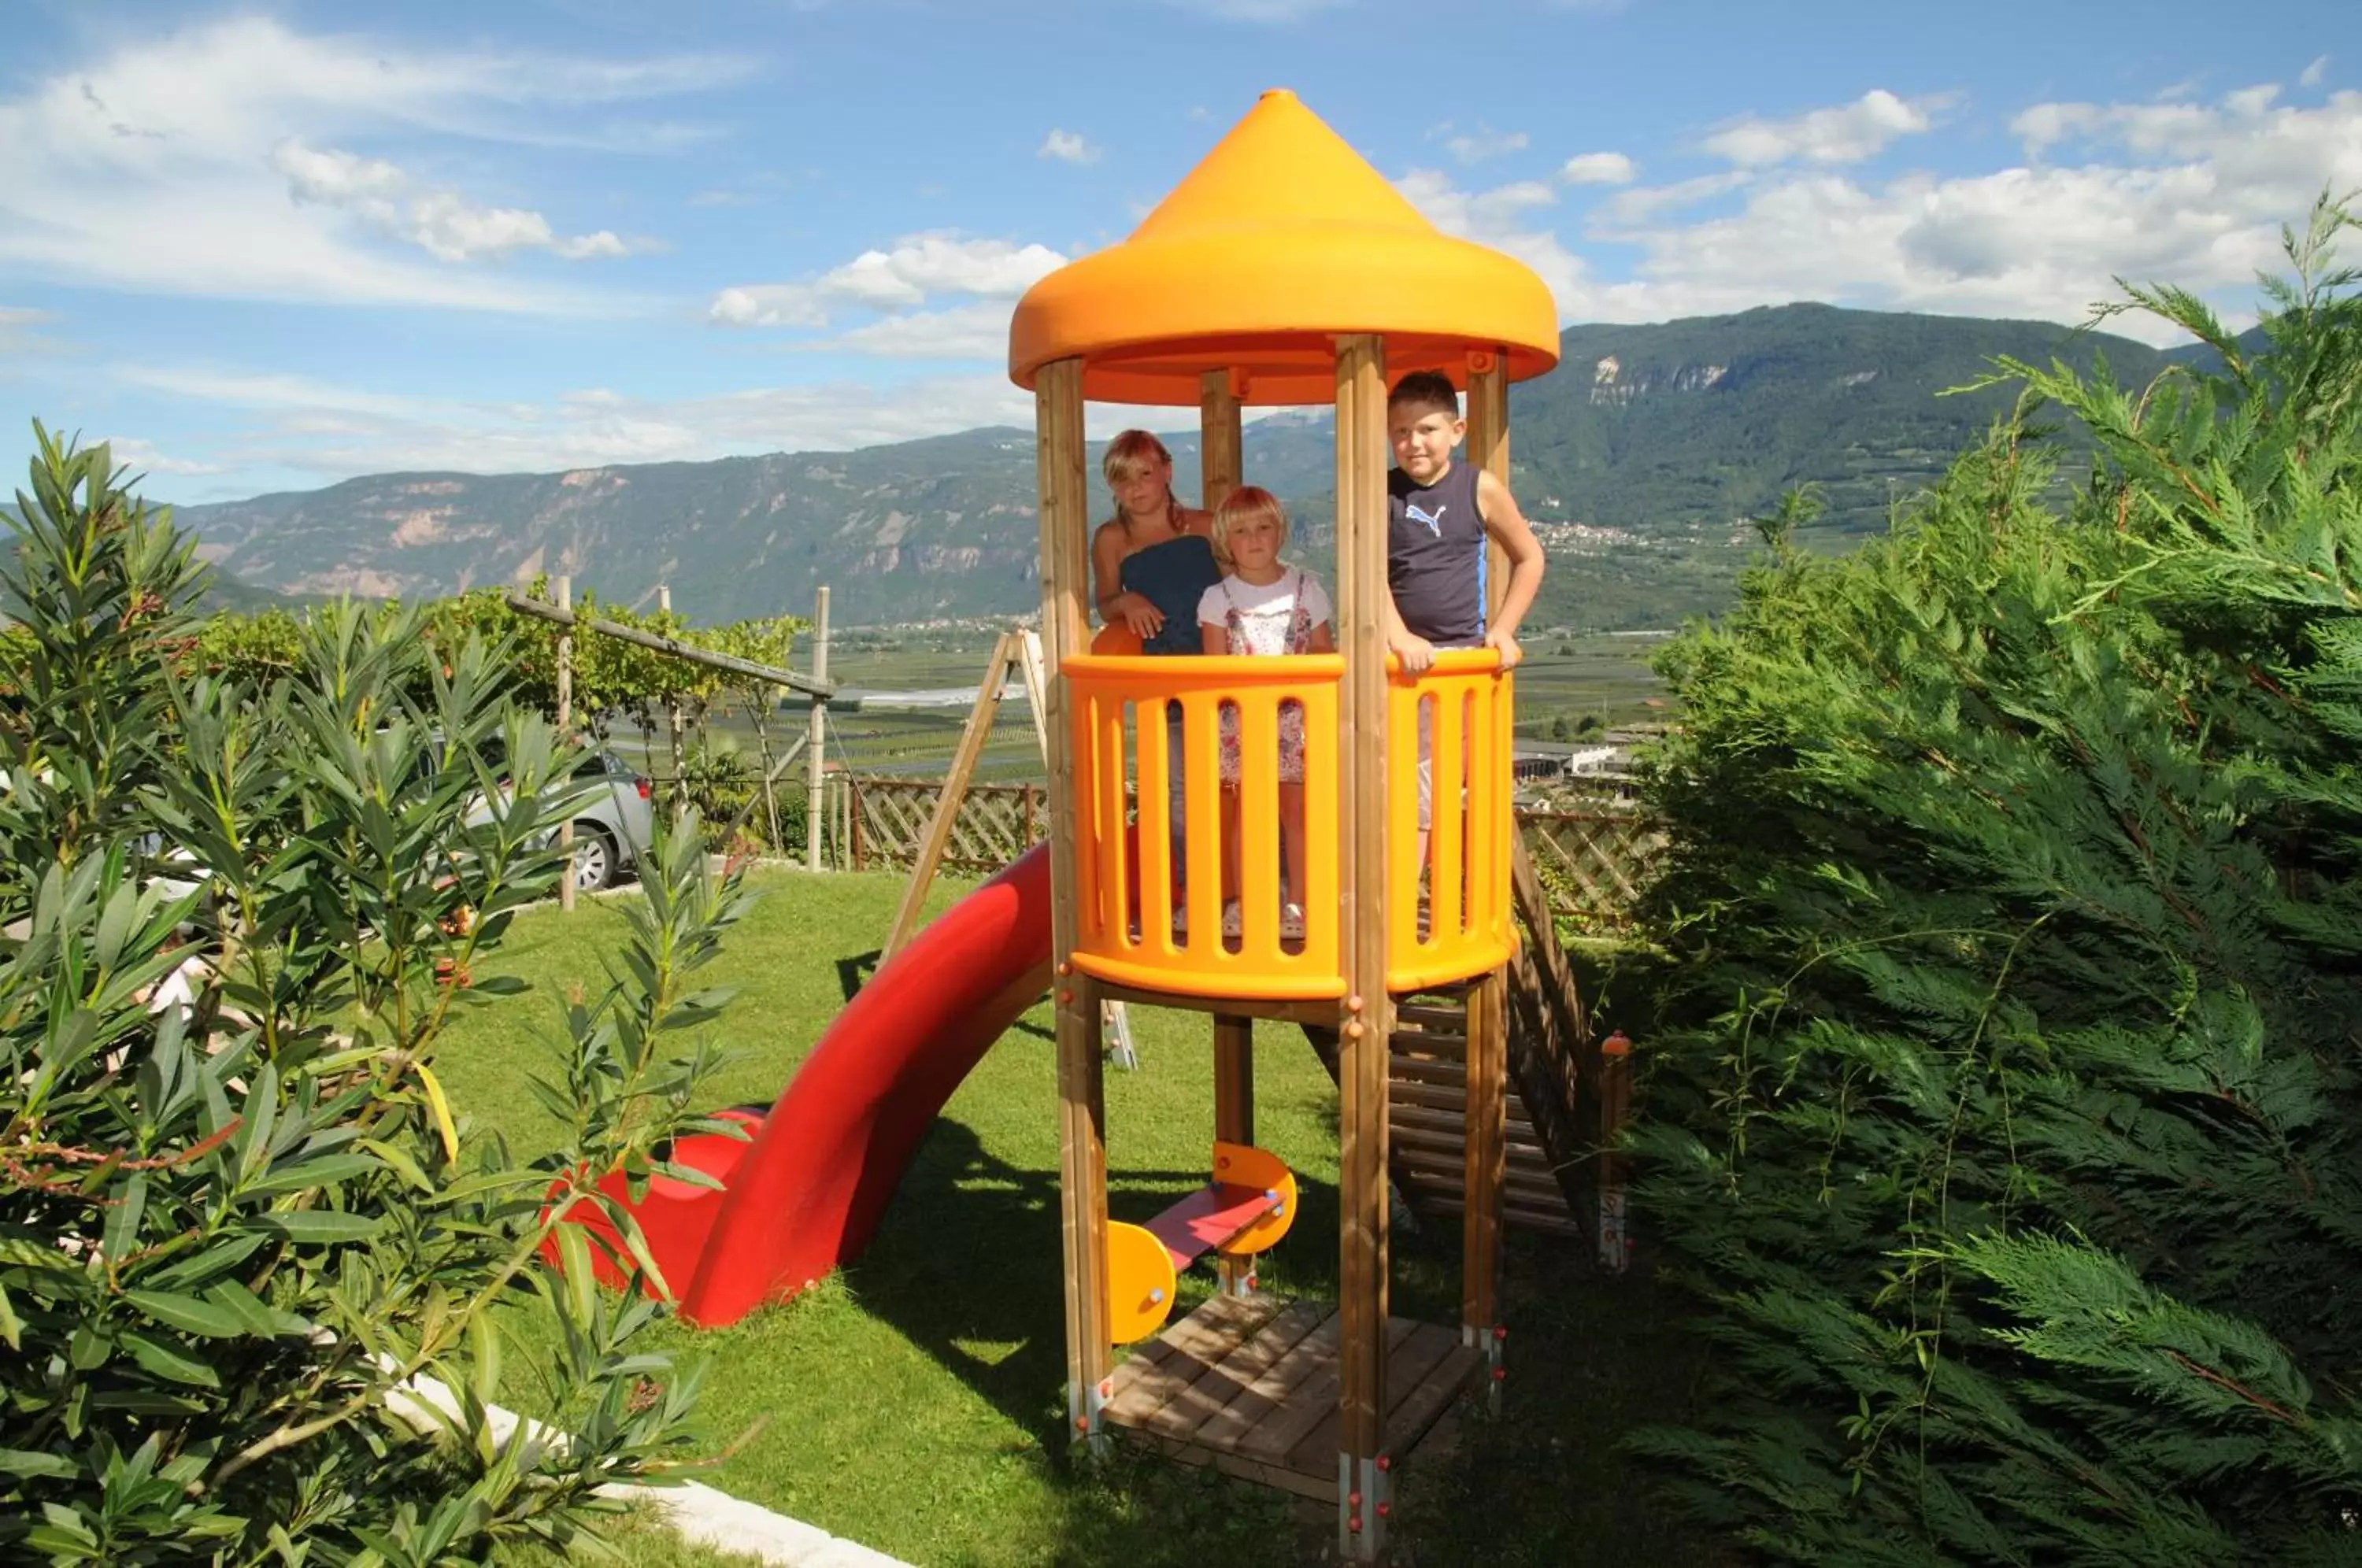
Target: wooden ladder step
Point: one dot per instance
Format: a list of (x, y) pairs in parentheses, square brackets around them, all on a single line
[(1406, 1047), (1428, 1070), (1557, 1222), (1452, 1121), (1531, 1184), (1430, 1096), (1410, 1140)]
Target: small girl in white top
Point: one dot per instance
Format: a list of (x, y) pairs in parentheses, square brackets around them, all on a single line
[(1264, 607)]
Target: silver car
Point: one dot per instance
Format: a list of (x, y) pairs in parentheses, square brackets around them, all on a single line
[(614, 829), (614, 825)]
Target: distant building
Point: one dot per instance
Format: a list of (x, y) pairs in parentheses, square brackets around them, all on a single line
[(1550, 762)]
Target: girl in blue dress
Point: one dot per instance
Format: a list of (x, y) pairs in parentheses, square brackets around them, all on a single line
[(1151, 562)]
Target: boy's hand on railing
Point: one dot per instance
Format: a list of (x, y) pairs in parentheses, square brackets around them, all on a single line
[(1506, 646), (1418, 655)]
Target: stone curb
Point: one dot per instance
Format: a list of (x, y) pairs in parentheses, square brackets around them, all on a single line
[(692, 1510)]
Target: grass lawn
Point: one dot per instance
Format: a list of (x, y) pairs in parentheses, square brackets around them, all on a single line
[(913, 1403)]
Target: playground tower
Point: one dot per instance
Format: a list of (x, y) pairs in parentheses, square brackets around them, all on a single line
[(1283, 270)]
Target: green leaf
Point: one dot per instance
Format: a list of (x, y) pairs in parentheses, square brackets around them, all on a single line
[(635, 1241), (574, 1260), (186, 1313), (120, 1237), (204, 1268), (253, 1314), (12, 1328), (87, 1348), (167, 1361), (25, 1462), (320, 1225), (397, 1160), (484, 1339), (299, 1176)]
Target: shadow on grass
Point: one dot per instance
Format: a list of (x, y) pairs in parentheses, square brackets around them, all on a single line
[(853, 973), (966, 1267)]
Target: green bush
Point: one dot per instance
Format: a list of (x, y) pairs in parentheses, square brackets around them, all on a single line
[(234, 1226), (2005, 1115)]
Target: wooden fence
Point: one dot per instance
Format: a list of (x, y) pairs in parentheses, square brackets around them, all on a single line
[(996, 823), (1593, 864)]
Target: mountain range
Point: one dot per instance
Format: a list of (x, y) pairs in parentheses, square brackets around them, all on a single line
[(1638, 460)]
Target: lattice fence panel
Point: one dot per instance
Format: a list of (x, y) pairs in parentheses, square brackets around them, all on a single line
[(1594, 863), (995, 825)]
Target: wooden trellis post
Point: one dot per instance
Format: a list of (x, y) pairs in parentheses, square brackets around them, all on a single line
[(815, 770), (564, 732), (1010, 651)]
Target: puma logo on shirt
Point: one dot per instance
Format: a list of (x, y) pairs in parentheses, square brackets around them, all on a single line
[(1434, 520)]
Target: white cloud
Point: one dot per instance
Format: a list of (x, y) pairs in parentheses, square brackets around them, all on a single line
[(1847, 133), (1483, 143), (1642, 203), (444, 223), (1500, 218), (336, 179), (22, 315), (975, 331), (142, 457), (1067, 146), (2314, 75), (928, 264), (1599, 169), (769, 305), (186, 130), (330, 432), (914, 272), (2193, 194)]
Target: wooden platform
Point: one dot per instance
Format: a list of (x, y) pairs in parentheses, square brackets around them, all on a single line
[(1249, 1385)]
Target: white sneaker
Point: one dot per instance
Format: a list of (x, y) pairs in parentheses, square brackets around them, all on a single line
[(1232, 923), (1291, 922)]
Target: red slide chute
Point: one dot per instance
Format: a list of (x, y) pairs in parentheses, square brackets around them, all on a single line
[(806, 1192)]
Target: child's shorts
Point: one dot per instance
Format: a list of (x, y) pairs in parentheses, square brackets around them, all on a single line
[(1427, 766)]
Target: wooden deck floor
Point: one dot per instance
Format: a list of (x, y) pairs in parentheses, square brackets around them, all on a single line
[(1250, 1387)]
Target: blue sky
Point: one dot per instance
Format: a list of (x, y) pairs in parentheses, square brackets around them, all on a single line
[(270, 246)]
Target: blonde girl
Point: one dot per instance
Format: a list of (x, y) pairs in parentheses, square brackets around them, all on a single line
[(1264, 607), (1151, 562)]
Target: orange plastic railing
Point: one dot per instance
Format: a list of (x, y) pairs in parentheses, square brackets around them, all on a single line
[(1464, 926), (1124, 871), (1451, 925)]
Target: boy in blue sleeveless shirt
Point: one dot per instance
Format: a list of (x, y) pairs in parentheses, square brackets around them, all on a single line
[(1440, 517)]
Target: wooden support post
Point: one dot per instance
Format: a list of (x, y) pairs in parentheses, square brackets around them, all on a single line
[(1615, 1113), (1221, 442), (1234, 1117), (1488, 448), (672, 723), (565, 730), (815, 770), (972, 740), (1368, 1021), (1082, 1107), (1037, 689), (1486, 1146)]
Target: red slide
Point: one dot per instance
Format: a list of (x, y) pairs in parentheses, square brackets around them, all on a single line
[(806, 1192)]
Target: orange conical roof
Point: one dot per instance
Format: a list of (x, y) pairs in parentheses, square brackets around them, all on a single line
[(1281, 238)]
